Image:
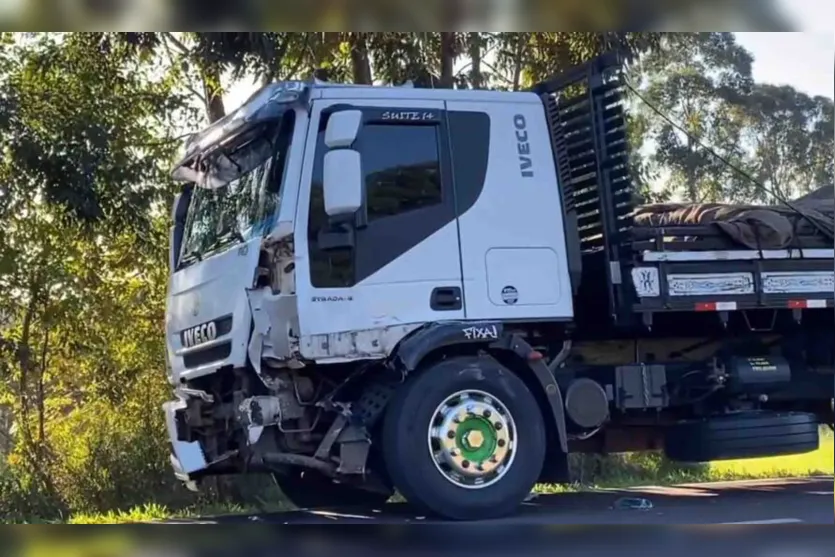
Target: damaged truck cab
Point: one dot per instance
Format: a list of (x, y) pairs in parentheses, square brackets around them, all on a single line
[(431, 291)]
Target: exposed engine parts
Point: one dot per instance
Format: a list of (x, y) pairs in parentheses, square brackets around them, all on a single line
[(260, 411)]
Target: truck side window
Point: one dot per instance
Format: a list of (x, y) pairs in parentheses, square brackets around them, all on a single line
[(404, 200), (402, 170)]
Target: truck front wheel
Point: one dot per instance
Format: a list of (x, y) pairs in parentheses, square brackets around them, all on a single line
[(465, 439)]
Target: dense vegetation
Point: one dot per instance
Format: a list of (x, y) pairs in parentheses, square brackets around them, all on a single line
[(90, 122)]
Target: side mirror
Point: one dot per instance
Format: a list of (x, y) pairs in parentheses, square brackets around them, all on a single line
[(342, 183), (342, 129)]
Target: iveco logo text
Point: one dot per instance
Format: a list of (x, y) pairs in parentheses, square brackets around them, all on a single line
[(199, 334), (522, 146)]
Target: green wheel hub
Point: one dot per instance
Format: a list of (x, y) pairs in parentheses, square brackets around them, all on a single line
[(476, 439), (471, 439)]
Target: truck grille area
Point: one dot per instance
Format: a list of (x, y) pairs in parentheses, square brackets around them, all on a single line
[(207, 355)]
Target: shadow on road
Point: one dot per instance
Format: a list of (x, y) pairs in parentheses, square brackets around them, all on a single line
[(806, 500)]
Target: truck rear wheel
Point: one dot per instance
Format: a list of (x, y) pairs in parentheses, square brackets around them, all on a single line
[(465, 439), (307, 489), (743, 435)]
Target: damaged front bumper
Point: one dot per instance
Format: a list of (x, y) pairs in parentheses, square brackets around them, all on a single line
[(187, 457)]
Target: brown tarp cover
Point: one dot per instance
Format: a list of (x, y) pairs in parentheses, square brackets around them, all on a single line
[(752, 226)]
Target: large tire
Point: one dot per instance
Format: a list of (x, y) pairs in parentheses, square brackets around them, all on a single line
[(743, 435), (406, 443), (310, 490)]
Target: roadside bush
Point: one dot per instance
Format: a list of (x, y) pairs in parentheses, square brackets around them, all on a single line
[(97, 457), (631, 468)]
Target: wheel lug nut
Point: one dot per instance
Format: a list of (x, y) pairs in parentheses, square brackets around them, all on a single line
[(451, 434), (465, 464), (498, 426), (487, 413), (501, 443), (480, 468), (494, 459)]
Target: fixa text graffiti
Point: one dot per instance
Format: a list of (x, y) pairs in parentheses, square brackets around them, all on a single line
[(489, 332)]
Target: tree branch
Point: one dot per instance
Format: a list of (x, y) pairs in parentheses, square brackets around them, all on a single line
[(186, 54), (184, 50), (300, 59)]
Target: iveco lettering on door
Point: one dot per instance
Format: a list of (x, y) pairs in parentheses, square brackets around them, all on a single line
[(522, 146), (198, 335)]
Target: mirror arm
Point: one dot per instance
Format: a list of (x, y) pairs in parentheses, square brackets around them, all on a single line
[(337, 235)]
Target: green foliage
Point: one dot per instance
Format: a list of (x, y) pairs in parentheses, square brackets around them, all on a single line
[(702, 82), (76, 111), (791, 137), (695, 79), (83, 268)]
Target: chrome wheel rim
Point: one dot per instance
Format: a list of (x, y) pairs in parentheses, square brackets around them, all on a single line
[(472, 439)]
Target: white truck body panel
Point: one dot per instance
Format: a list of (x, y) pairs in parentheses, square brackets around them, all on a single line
[(512, 238), (392, 301), (212, 289)]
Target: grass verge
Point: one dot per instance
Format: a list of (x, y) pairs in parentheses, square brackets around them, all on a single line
[(615, 471)]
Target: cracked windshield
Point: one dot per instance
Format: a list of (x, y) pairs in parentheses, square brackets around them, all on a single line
[(246, 178)]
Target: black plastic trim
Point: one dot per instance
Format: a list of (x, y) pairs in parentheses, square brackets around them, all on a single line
[(206, 356), (432, 336), (446, 298)]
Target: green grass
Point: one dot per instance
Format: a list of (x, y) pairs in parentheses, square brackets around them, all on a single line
[(651, 469), (152, 512), (617, 471)]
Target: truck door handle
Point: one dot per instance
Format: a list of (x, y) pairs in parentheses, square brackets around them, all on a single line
[(445, 298)]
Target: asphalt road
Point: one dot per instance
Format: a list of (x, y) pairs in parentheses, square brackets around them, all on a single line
[(767, 502)]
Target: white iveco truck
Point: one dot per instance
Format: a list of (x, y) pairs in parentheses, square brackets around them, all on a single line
[(446, 292)]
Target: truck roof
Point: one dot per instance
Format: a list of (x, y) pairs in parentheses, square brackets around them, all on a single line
[(326, 90), (271, 100)]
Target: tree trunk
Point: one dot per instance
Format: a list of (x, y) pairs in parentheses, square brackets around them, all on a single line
[(360, 64), (692, 178), (24, 358), (34, 450), (215, 109), (517, 65), (447, 80), (476, 79), (41, 402)]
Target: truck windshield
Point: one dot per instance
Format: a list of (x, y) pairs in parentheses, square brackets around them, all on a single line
[(247, 177)]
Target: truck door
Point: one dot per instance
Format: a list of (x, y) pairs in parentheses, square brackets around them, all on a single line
[(509, 209), (403, 268)]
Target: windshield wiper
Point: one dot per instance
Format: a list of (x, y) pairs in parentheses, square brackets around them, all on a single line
[(224, 239), (193, 254), (189, 257), (197, 254)]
